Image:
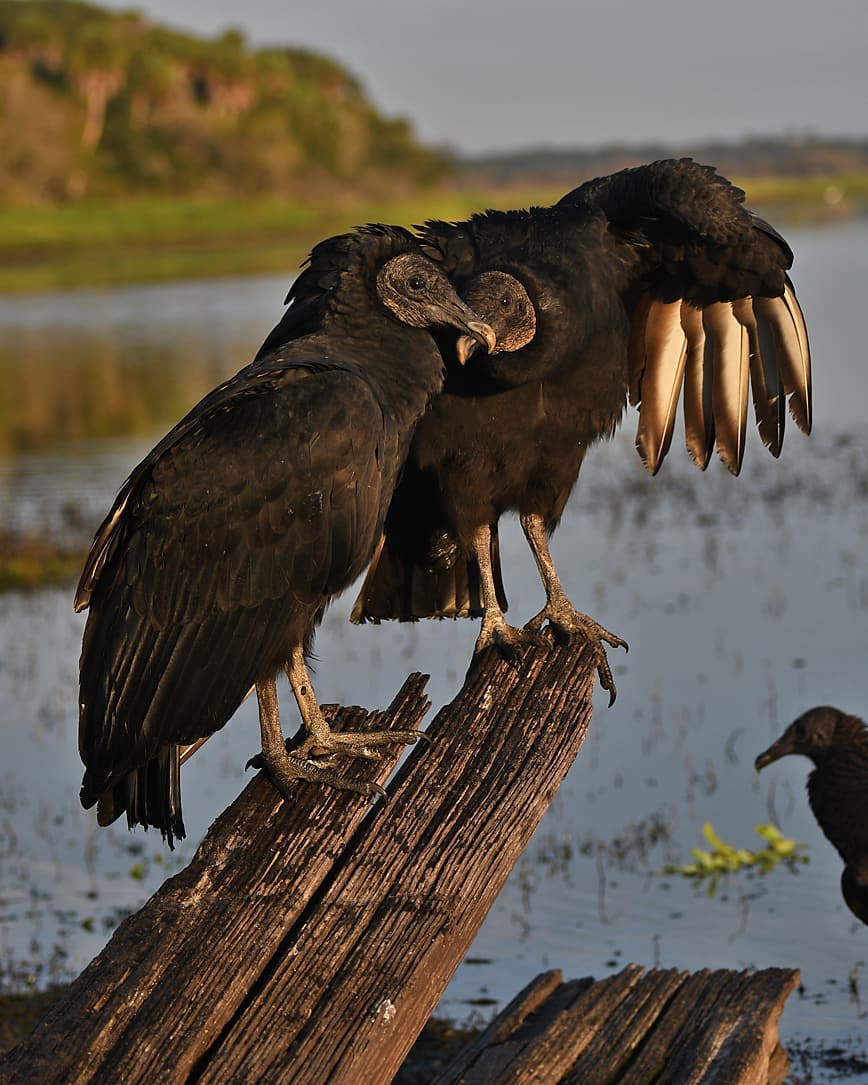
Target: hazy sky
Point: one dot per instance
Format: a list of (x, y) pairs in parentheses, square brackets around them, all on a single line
[(499, 74)]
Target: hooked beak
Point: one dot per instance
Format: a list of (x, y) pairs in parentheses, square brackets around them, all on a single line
[(777, 750), (479, 333), (465, 345), (458, 315)]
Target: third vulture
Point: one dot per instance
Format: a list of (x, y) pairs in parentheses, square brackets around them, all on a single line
[(837, 743), (653, 284)]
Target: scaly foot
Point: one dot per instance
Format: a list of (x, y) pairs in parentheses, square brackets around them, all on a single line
[(284, 768), (566, 622), (508, 639), (329, 745)]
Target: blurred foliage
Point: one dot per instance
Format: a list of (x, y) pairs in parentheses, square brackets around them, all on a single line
[(104, 104), (722, 859), (31, 560), (159, 238)]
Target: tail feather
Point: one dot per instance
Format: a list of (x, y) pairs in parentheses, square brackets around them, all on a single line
[(400, 587), (150, 796)]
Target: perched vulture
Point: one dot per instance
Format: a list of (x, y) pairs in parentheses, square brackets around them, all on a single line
[(837, 789), (226, 543), (652, 284)]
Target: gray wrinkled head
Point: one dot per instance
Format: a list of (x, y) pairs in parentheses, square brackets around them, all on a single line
[(418, 293), (501, 301)]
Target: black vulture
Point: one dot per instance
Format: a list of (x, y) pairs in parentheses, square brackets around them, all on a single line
[(632, 285), (228, 540), (837, 789)]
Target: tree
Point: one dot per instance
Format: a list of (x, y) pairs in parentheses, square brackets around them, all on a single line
[(95, 66)]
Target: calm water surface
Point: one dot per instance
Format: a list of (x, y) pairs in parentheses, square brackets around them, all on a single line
[(745, 601)]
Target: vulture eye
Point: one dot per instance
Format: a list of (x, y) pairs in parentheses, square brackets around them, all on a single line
[(416, 283)]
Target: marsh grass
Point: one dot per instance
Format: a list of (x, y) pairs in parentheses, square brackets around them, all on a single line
[(163, 238)]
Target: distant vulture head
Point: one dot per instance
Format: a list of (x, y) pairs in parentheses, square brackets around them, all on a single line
[(815, 733), (501, 301)]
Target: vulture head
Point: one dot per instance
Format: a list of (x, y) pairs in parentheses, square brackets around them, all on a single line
[(418, 293), (816, 732), (501, 301)]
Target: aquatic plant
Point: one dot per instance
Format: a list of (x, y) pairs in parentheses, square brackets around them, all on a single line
[(723, 859)]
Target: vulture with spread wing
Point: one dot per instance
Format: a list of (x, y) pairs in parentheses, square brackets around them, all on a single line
[(654, 284)]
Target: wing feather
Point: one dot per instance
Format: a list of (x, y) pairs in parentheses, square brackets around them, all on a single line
[(665, 356), (637, 348), (220, 556), (784, 319), (765, 379), (727, 345), (698, 413)]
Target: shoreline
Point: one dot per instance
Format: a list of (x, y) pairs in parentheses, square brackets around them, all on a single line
[(165, 239)]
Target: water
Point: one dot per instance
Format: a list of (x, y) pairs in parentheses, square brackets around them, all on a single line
[(744, 602)]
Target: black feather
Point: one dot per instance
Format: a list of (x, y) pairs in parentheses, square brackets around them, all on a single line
[(229, 538), (509, 432)]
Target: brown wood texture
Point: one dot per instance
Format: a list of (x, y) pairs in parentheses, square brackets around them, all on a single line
[(665, 1026), (160, 992), (310, 942)]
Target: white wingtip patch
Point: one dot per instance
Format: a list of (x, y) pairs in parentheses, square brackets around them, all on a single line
[(698, 415), (789, 341), (727, 352), (660, 386)]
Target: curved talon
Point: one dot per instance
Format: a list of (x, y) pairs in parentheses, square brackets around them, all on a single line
[(566, 623)]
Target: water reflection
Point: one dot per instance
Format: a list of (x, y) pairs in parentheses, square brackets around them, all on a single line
[(744, 602), (104, 363)]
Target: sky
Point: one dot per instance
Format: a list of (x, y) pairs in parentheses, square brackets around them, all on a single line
[(499, 75)]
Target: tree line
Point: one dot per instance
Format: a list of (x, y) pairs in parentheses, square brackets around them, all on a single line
[(100, 104)]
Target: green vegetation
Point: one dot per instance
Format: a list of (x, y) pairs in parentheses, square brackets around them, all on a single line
[(104, 105), (724, 859), (161, 238), (32, 560), (133, 152)]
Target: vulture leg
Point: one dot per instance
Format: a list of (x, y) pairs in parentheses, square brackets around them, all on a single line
[(283, 767), (496, 631), (321, 741), (563, 617)]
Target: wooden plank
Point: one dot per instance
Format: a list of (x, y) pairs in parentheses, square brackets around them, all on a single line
[(545, 1046), (656, 1050), (611, 1050), (310, 942), (527, 1001), (732, 1042), (717, 1028)]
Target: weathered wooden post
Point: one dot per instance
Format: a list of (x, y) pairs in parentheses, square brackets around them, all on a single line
[(309, 942)]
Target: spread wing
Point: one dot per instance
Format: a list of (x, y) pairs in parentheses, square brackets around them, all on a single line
[(223, 546), (714, 315)]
